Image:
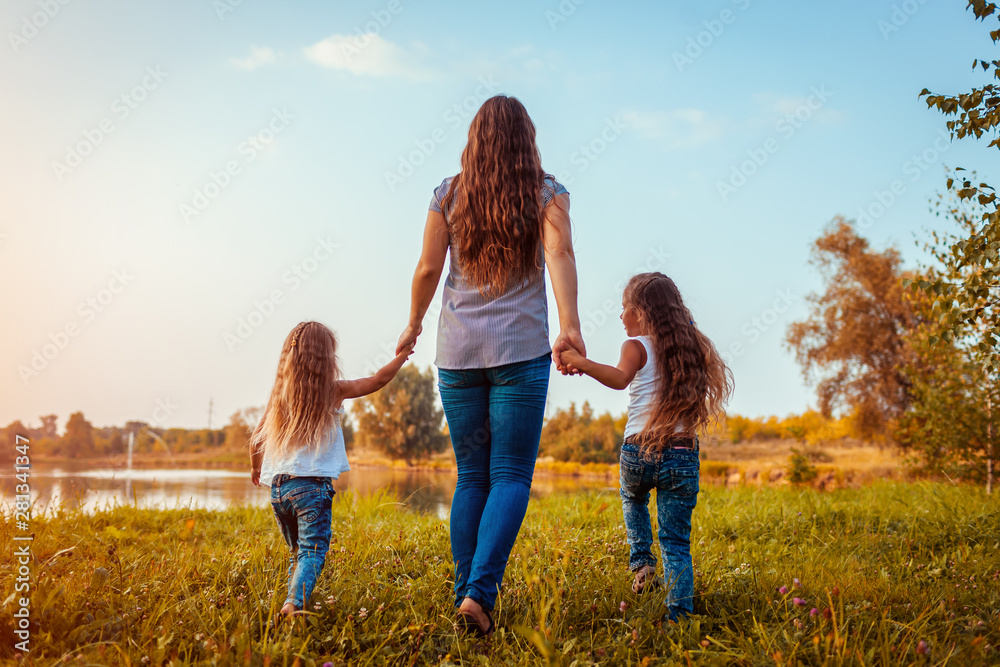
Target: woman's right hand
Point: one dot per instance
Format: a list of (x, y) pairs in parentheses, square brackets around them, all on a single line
[(408, 338), (568, 338)]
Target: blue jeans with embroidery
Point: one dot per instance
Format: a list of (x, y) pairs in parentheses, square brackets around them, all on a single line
[(302, 507), (674, 475), (495, 421)]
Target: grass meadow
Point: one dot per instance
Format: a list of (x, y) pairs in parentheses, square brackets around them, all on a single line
[(893, 573)]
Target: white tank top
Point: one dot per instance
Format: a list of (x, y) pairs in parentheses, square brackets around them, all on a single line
[(642, 391)]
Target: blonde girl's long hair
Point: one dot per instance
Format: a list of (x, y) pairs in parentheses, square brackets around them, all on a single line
[(301, 408), (694, 382), (494, 205)]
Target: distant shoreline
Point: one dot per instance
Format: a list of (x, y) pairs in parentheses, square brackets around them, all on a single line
[(837, 465)]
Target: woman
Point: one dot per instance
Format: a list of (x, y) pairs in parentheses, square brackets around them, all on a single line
[(503, 219)]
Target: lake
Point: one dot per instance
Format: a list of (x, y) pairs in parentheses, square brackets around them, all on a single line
[(89, 490)]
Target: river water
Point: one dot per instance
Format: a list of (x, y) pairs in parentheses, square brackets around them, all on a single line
[(90, 490)]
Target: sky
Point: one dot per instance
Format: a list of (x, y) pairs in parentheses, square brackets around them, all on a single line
[(183, 182)]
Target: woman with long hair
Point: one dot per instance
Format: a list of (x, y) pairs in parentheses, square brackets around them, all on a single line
[(504, 221)]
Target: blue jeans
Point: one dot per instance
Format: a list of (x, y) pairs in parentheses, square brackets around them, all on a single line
[(495, 420), (674, 475), (302, 506)]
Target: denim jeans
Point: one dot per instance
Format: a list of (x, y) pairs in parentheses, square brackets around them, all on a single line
[(674, 475), (495, 420), (302, 506)]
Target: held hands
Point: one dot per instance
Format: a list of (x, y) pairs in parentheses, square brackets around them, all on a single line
[(572, 359), (568, 343), (408, 338)]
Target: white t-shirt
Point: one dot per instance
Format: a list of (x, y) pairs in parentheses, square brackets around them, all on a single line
[(327, 459)]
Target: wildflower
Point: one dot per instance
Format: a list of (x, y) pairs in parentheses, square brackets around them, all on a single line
[(623, 606), (363, 613), (798, 602), (797, 623), (783, 590), (814, 611), (796, 583), (922, 648), (327, 664)]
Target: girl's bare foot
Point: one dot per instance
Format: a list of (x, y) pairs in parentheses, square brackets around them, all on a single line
[(477, 618)]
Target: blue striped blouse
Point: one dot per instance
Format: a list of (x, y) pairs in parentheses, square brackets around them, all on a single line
[(476, 332)]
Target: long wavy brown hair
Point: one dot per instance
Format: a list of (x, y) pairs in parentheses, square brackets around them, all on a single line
[(494, 205), (694, 382), (301, 408)]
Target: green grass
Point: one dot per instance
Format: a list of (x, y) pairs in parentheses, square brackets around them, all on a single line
[(886, 568)]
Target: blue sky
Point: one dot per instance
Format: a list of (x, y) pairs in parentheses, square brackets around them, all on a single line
[(171, 170)]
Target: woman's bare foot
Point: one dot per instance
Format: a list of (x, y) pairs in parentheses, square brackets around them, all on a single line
[(645, 577), (481, 619)]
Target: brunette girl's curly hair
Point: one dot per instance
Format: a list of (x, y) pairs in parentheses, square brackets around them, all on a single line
[(694, 382)]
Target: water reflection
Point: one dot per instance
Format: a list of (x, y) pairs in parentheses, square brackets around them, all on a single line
[(79, 488)]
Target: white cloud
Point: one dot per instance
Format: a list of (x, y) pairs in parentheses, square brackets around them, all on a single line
[(368, 55), (679, 128), (258, 57)]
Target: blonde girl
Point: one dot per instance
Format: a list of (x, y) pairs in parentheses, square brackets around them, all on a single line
[(298, 447), (677, 385)]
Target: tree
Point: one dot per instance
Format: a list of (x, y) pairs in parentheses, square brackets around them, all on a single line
[(241, 425), (348, 427), (49, 428), (8, 440), (403, 418), (974, 256), (951, 426), (78, 441), (852, 342), (579, 436)]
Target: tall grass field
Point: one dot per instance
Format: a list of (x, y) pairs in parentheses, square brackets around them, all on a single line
[(890, 574)]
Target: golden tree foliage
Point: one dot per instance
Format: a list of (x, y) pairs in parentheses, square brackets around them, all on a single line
[(852, 342)]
